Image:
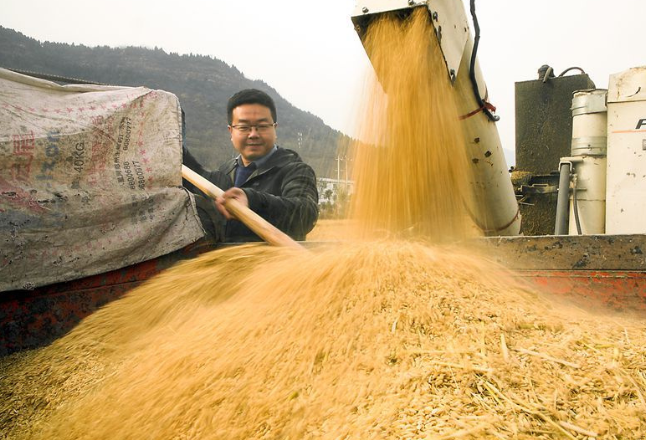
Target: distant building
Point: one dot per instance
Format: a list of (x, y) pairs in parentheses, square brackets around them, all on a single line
[(329, 189)]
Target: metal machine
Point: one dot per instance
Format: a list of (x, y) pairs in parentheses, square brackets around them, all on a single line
[(580, 167), (577, 136)]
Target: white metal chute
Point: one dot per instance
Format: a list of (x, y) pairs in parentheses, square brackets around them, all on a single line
[(497, 213)]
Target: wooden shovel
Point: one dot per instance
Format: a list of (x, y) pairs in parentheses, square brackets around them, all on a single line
[(253, 221)]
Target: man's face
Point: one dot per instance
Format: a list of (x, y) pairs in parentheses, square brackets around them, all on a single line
[(254, 144)]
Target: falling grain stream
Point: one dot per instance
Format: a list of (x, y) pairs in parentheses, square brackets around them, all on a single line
[(398, 331)]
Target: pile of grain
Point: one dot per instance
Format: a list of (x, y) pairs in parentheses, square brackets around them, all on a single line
[(379, 340)]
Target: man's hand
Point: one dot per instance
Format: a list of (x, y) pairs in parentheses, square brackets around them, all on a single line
[(232, 193)]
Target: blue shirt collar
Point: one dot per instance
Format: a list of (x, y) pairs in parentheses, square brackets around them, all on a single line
[(260, 161)]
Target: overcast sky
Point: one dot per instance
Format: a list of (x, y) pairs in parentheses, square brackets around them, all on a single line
[(309, 52)]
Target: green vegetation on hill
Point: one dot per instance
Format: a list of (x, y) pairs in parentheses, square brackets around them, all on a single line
[(203, 84)]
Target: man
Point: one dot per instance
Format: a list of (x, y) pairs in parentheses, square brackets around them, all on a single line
[(273, 182)]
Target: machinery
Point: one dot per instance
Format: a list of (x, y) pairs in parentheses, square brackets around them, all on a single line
[(600, 176), (559, 119), (580, 175)]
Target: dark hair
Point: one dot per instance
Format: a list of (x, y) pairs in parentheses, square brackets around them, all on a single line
[(251, 96)]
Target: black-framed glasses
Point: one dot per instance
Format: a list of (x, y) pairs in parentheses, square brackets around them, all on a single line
[(260, 128)]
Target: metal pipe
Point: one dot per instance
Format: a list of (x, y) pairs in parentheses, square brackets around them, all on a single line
[(563, 199), (575, 205)]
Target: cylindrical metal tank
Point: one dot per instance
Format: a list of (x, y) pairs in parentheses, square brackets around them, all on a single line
[(589, 133), (626, 181)]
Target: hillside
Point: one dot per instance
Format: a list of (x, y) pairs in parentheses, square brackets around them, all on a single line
[(203, 85)]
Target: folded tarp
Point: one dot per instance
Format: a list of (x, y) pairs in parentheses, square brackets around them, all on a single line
[(90, 180)]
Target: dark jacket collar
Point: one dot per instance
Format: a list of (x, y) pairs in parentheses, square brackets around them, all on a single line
[(279, 158)]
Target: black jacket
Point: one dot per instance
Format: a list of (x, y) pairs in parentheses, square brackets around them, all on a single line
[(282, 191)]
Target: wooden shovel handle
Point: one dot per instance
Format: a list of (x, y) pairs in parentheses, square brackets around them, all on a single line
[(253, 221)]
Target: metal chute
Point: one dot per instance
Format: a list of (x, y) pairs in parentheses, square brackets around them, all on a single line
[(498, 213)]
